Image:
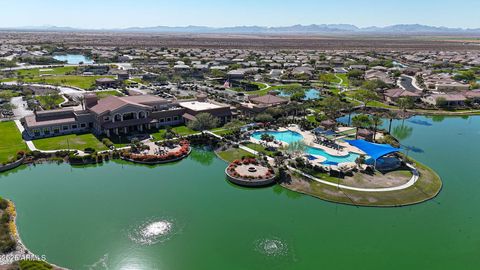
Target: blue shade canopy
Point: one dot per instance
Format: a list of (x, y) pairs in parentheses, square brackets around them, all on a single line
[(373, 150)]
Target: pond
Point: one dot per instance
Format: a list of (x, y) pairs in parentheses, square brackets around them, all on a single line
[(188, 216), (74, 59)]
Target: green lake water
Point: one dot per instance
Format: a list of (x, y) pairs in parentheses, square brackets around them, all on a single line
[(90, 218)]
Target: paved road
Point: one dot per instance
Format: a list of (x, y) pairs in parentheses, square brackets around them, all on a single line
[(406, 82)]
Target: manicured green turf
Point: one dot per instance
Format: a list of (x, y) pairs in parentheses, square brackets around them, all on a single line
[(8, 80), (36, 72), (179, 130), (265, 91), (10, 141), (104, 94), (233, 154), (344, 77), (137, 80), (8, 94), (42, 99), (311, 119), (184, 130), (378, 104), (84, 82), (427, 187), (259, 148), (221, 131), (72, 141)]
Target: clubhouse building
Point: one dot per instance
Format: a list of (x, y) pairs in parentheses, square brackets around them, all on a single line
[(121, 115)]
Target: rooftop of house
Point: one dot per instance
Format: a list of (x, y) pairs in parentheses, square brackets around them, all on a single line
[(112, 103), (268, 100), (398, 92)]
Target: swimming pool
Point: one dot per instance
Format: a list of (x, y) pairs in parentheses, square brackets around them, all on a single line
[(310, 94), (283, 136), (291, 136), (333, 159)]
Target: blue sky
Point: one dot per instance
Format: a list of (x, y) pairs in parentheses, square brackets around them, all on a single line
[(127, 13)]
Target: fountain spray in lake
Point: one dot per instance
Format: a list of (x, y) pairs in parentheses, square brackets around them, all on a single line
[(271, 247), (152, 232)]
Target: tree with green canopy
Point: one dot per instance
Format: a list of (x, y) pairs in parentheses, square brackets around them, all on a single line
[(204, 121)]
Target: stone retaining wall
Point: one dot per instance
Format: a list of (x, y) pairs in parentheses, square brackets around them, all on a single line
[(250, 182), (12, 165)]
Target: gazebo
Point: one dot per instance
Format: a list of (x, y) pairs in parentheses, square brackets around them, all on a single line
[(328, 124)]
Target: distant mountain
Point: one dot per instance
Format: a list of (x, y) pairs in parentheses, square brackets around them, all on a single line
[(47, 28), (294, 29)]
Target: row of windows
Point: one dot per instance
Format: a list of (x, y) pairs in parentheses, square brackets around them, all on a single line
[(56, 130), (169, 119), (127, 116)]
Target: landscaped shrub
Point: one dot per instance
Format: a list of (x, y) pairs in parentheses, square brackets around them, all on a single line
[(3, 204), (184, 149), (107, 142), (62, 153), (89, 150), (34, 265)]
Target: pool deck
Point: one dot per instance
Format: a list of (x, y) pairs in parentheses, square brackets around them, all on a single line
[(309, 140)]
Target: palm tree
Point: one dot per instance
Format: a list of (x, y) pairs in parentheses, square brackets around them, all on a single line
[(360, 121), (390, 115), (349, 108), (296, 148), (405, 103), (376, 121)]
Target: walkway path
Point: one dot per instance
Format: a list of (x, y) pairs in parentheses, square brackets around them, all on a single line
[(21, 108), (410, 183), (340, 78), (31, 146), (62, 89)]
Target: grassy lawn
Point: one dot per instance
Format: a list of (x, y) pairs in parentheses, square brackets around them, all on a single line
[(118, 141), (10, 141), (8, 94), (43, 100), (258, 84), (379, 104), (137, 80), (348, 132), (72, 141), (259, 148), (265, 91), (311, 119), (179, 130), (8, 80), (427, 187), (36, 72), (84, 82), (344, 77), (104, 94), (184, 130), (233, 154), (221, 131)]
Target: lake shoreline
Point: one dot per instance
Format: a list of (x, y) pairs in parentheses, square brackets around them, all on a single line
[(428, 187), (21, 252)]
